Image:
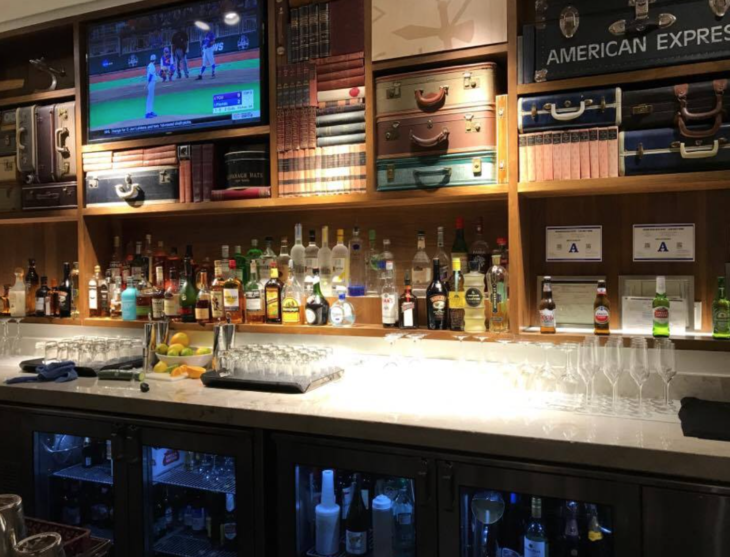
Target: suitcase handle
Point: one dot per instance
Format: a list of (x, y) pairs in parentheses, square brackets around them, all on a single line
[(127, 190), (18, 139), (703, 154), (699, 134), (430, 141), (60, 147), (681, 91), (444, 172), (567, 116), (431, 100)]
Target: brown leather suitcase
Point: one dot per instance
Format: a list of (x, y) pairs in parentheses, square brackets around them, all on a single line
[(433, 90), (46, 143), (64, 137), (446, 132)]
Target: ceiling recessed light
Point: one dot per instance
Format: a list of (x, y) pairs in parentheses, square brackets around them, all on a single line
[(202, 25), (231, 18)]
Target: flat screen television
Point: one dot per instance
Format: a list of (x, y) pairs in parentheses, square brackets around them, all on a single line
[(195, 66)]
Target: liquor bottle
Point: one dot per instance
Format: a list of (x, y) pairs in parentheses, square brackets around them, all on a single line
[(171, 304), (51, 308), (570, 541), (457, 303), (65, 292), (342, 312), (324, 261), (282, 261), (228, 526), (356, 268), (497, 296), (267, 258), (254, 254), (357, 523), (601, 311), (31, 286), (144, 299), (404, 534), (372, 267), (408, 306), (340, 262), (202, 302), (474, 318), (87, 453), (386, 271), (317, 309), (173, 262), (17, 296), (598, 546), (233, 295), (443, 257), (75, 291), (437, 301), (115, 298), (721, 312), (137, 264), (535, 540), (159, 258), (129, 301), (40, 298), (272, 295), (148, 257), (205, 269), (115, 263), (660, 310), (94, 310), (255, 312), (221, 267), (310, 262), (479, 249), (388, 295), (188, 295), (292, 299), (421, 267), (459, 248), (503, 252), (298, 254), (547, 308), (5, 300), (241, 265), (327, 518)]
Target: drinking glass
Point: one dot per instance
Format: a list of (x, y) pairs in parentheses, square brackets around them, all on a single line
[(17, 340), (62, 351), (482, 347), (665, 365), (417, 357), (4, 339), (587, 360), (613, 366), (50, 353), (639, 366), (391, 339), (461, 337)]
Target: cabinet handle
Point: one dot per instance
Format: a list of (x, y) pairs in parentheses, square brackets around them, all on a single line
[(423, 479), (133, 445), (447, 485)]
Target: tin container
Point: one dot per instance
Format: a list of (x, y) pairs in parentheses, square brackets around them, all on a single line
[(247, 169)]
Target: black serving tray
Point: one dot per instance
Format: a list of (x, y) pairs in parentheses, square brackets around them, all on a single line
[(31, 366), (222, 380)]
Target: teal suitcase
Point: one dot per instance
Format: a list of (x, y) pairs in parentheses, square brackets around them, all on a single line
[(458, 169)]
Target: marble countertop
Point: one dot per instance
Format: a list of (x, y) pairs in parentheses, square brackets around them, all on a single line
[(440, 409)]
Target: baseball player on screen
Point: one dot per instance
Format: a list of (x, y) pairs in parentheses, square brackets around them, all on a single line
[(150, 84), (208, 57), (180, 49), (167, 65)]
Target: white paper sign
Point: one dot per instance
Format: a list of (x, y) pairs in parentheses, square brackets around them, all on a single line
[(664, 242), (574, 243)]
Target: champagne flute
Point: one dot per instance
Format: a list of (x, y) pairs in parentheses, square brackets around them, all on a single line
[(639, 367), (665, 364), (613, 366)]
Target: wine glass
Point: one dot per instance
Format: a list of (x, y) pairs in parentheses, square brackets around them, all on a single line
[(482, 348), (391, 339), (665, 364), (461, 337), (417, 357), (17, 340), (613, 366), (587, 366), (639, 367)]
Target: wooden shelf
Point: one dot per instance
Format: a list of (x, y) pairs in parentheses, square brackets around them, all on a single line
[(52, 321), (451, 57), (178, 138), (281, 204), (58, 94), (614, 79), (39, 217), (661, 183), (687, 342)]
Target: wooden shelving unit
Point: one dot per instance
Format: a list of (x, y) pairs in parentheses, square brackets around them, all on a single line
[(495, 52), (41, 97), (39, 217)]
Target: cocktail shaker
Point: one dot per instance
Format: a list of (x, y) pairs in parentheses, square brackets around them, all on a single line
[(48, 544), (155, 332), (12, 523), (224, 339)]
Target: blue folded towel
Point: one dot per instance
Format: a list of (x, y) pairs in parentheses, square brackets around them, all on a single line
[(59, 372)]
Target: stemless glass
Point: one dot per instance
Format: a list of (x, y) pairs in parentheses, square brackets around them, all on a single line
[(613, 366), (17, 351), (639, 367), (50, 354), (665, 364)]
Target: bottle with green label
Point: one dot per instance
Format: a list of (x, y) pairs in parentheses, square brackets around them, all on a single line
[(721, 312), (660, 310)]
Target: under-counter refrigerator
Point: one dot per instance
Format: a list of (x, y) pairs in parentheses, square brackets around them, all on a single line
[(337, 499), (154, 490)]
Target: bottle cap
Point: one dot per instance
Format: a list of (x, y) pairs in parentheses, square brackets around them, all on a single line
[(341, 296), (456, 264), (382, 503), (328, 489)]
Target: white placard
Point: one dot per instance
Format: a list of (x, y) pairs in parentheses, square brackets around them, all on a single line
[(664, 242), (574, 243)]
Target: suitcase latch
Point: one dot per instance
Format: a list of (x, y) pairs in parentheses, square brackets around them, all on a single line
[(642, 22), (9, 165), (476, 166), (392, 133), (569, 21), (390, 172), (640, 151), (7, 141), (93, 183), (393, 92), (470, 83), (533, 111), (471, 125), (719, 7), (164, 177), (541, 76), (640, 109)]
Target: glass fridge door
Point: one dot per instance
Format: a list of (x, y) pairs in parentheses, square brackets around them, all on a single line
[(74, 481), (189, 503)]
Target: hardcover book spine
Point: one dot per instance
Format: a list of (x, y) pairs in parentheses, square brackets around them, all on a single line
[(566, 155), (613, 152), (196, 155), (341, 83), (547, 156), (208, 159), (585, 154), (603, 153), (593, 146), (524, 177), (575, 155), (343, 129), (341, 140), (539, 160), (557, 156), (531, 169), (341, 117)]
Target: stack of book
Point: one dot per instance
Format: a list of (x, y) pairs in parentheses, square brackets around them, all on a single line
[(165, 155), (341, 91)]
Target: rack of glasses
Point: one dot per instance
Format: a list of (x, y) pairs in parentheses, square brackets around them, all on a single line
[(88, 350)]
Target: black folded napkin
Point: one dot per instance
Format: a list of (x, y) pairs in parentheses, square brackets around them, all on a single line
[(89, 370), (705, 419)]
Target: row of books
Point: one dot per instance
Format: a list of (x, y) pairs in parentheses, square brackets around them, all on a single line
[(569, 155), (165, 155), (322, 171), (331, 123)]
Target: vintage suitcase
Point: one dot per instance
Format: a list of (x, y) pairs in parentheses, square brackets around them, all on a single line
[(409, 27), (7, 143), (448, 131), (587, 37), (677, 105), (9, 197), (64, 116), (49, 196), (666, 151), (7, 120), (432, 90), (45, 135), (25, 137), (138, 186), (8, 171), (573, 109), (461, 169)]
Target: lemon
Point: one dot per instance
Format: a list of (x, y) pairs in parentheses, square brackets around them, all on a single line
[(160, 367), (162, 349), (187, 352), (202, 351), (180, 338), (176, 347), (173, 353)]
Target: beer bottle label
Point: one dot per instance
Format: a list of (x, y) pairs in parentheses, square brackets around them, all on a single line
[(547, 318), (661, 315), (602, 316), (356, 543)]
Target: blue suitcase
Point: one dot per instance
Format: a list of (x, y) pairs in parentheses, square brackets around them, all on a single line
[(666, 151), (574, 109), (458, 169)]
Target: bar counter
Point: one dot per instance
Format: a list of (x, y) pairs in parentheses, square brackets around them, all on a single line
[(440, 410)]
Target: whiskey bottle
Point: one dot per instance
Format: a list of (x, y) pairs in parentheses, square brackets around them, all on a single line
[(660, 310), (408, 306), (40, 298), (171, 304), (421, 267), (459, 248), (255, 312), (233, 295), (202, 303), (137, 265), (157, 293), (115, 264), (144, 299), (18, 295), (159, 258), (51, 307), (317, 309), (216, 289), (601, 311), (457, 303), (292, 299), (115, 298), (75, 292), (547, 308), (479, 249), (437, 301), (94, 310), (721, 312), (272, 295), (148, 258)]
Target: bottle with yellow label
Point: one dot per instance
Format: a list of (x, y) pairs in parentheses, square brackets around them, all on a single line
[(291, 299), (457, 302), (272, 295)]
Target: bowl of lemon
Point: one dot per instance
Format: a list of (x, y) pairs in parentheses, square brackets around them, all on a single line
[(179, 352)]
